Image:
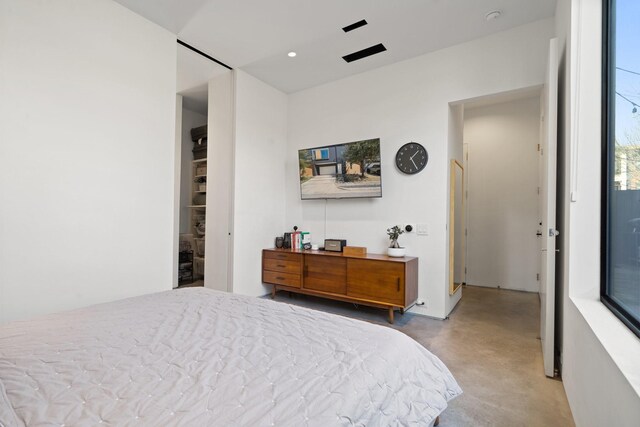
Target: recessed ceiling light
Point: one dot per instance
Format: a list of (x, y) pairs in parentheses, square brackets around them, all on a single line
[(291, 54), (495, 14)]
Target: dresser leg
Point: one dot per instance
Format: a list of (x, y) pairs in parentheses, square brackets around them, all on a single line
[(401, 310), (273, 292), (391, 315)]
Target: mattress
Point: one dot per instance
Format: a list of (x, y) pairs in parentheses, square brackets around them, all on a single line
[(197, 357)]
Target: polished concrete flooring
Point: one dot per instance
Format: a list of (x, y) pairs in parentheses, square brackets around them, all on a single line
[(490, 343)]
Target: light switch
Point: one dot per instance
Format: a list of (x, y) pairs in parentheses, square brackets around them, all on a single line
[(422, 229)]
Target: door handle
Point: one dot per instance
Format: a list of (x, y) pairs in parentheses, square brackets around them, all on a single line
[(398, 283), (553, 232)]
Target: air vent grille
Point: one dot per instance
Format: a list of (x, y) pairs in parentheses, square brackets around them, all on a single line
[(373, 50), (354, 26)]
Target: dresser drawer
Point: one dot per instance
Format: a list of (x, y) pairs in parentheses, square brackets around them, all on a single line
[(279, 278), (283, 256), (285, 266), (325, 273), (376, 280)]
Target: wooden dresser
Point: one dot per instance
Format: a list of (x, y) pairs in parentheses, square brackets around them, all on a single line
[(374, 280)]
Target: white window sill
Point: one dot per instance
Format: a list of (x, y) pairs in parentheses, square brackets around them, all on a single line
[(622, 345)]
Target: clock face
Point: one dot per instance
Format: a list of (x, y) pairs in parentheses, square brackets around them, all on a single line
[(411, 158)]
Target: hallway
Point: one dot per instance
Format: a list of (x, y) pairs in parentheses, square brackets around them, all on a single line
[(490, 344)]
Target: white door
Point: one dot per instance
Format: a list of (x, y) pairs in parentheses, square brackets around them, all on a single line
[(548, 208)]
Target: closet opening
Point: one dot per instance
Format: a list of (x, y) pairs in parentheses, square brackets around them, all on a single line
[(195, 72), (193, 187)]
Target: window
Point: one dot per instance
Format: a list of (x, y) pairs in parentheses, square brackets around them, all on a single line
[(620, 281), (322, 154)]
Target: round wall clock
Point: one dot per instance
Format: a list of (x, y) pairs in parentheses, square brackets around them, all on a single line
[(411, 158)]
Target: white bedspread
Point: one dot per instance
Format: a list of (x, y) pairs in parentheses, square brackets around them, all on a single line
[(197, 357)]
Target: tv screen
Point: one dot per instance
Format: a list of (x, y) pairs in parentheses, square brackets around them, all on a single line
[(342, 171)]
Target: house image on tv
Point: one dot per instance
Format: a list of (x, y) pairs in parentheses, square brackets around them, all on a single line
[(331, 161)]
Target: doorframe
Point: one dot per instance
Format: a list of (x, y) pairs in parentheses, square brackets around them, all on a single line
[(177, 166), (465, 166)]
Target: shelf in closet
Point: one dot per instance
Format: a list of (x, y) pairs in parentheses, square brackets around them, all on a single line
[(200, 160), (197, 206)]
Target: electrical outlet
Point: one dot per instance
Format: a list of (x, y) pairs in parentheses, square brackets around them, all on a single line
[(408, 227), (422, 229)]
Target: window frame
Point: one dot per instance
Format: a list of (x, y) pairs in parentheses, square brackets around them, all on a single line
[(608, 161)]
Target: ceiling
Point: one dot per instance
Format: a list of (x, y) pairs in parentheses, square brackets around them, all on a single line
[(500, 98), (256, 35)]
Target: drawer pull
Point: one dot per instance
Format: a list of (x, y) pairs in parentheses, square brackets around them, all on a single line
[(398, 282), (281, 266), (281, 257), (279, 278)]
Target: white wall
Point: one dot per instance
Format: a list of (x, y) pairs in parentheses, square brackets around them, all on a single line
[(601, 373), (260, 150), (190, 119), (502, 173), (399, 103), (86, 155)]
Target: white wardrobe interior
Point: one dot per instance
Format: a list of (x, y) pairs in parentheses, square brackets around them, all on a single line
[(193, 188)]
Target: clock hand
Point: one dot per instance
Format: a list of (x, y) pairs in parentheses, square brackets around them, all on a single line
[(414, 163), (414, 154)]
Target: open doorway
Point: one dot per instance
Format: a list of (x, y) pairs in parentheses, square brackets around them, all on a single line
[(508, 149), (507, 144), (502, 168), (193, 187)]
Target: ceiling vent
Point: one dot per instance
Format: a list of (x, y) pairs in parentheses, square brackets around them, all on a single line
[(364, 53), (354, 26)]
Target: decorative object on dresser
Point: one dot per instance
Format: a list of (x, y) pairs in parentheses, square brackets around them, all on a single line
[(373, 280), (334, 245), (296, 239), (354, 251), (395, 250)]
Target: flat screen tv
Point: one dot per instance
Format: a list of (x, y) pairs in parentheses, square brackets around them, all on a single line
[(341, 171)]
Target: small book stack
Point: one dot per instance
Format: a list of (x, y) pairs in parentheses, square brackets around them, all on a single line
[(299, 239)]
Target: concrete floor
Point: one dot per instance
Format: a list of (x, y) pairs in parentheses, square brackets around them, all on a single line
[(490, 343)]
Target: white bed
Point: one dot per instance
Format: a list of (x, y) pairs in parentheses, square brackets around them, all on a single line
[(197, 357)]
